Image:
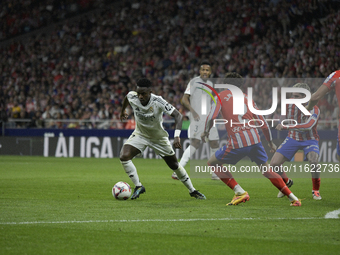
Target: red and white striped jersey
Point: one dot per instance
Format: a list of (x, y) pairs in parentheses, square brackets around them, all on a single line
[(333, 82), (240, 133), (306, 127)]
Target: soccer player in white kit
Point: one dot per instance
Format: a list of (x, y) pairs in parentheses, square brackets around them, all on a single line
[(192, 100), (149, 132)]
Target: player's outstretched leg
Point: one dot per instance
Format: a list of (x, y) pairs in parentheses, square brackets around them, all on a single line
[(183, 176), (289, 184), (189, 151), (277, 181), (185, 179), (313, 159), (212, 152), (127, 153), (241, 196)]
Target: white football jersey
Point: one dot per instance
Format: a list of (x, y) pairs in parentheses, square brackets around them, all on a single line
[(149, 118), (197, 90)]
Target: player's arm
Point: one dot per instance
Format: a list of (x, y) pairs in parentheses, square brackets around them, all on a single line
[(178, 127), (320, 93), (308, 125), (123, 113), (186, 103)]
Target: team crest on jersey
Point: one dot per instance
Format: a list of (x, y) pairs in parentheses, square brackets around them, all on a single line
[(150, 109)]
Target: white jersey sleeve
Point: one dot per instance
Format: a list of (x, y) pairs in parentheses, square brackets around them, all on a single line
[(164, 105)]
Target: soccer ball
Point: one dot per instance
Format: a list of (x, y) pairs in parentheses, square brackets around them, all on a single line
[(121, 191)]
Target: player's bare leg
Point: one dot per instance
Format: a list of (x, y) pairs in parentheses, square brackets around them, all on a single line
[(240, 194), (214, 146), (182, 175), (276, 162), (187, 154), (313, 159), (277, 181), (127, 153), (194, 144)]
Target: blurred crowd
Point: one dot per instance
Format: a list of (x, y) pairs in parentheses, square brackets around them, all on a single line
[(18, 17), (77, 75)]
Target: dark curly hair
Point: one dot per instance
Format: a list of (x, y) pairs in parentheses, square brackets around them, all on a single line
[(144, 82), (205, 62)]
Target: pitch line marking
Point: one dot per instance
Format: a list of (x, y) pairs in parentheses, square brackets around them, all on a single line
[(333, 214), (150, 220)]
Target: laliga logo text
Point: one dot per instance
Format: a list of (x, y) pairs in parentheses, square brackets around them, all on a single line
[(239, 108)]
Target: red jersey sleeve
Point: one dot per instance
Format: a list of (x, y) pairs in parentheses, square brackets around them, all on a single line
[(332, 80), (309, 124)]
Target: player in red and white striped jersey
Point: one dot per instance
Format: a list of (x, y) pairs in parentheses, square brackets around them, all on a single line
[(240, 134), (243, 140), (331, 82), (304, 130), (302, 136)]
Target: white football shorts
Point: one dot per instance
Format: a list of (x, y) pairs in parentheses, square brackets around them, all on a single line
[(196, 128), (162, 146)]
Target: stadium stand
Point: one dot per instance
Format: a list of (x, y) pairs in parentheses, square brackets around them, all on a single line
[(82, 68)]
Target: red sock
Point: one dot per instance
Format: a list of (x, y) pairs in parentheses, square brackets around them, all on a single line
[(278, 182), (316, 183), (283, 175), (226, 177)]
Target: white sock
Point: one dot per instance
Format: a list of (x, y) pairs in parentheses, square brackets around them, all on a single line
[(238, 190), (292, 197), (187, 155), (184, 178), (131, 171)]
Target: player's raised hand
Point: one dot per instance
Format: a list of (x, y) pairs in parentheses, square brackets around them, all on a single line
[(177, 143), (124, 116)]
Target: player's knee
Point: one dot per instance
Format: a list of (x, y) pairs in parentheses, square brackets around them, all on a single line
[(173, 165), (313, 162), (313, 158), (124, 156), (214, 144), (195, 143), (274, 163), (212, 161), (266, 173)]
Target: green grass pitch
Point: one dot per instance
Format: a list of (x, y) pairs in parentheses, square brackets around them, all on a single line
[(65, 206)]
